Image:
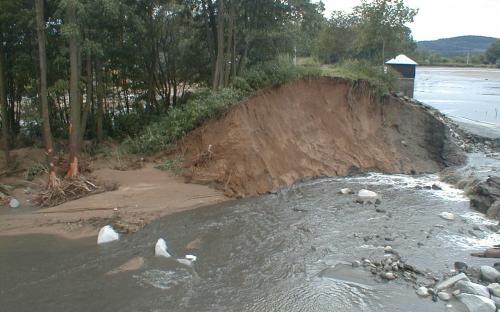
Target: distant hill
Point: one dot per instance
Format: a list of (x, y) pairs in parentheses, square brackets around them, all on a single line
[(456, 45)]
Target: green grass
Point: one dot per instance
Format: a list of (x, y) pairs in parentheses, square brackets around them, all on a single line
[(173, 165), (34, 170), (358, 70)]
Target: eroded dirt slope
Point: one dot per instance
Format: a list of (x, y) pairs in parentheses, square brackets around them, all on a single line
[(311, 128)]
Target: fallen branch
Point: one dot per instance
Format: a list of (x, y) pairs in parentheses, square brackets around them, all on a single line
[(66, 191), (488, 253)]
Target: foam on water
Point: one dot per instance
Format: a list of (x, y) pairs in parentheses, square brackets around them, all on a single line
[(472, 243), (401, 182), (466, 242)]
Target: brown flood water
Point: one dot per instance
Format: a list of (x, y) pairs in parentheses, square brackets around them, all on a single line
[(278, 252)]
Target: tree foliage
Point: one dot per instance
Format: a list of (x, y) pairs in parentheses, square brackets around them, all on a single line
[(375, 30), (112, 68), (493, 53)]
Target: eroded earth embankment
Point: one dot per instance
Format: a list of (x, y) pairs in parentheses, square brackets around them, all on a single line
[(316, 127)]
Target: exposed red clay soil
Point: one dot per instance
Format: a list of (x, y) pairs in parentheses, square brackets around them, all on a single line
[(312, 128)]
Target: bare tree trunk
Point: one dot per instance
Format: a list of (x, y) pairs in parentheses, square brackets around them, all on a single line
[(243, 60), (75, 105), (233, 51), (90, 94), (3, 108), (227, 60), (100, 105), (53, 181), (218, 78)]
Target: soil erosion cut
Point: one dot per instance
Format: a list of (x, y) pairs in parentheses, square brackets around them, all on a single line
[(315, 127)]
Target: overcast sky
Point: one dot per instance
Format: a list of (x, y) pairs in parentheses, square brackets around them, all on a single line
[(444, 18)]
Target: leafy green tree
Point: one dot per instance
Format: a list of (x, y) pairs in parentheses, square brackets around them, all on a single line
[(381, 29), (336, 39), (493, 52)]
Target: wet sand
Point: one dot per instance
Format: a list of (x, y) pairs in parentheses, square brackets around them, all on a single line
[(143, 195)]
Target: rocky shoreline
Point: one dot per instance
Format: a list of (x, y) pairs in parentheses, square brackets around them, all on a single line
[(477, 288)]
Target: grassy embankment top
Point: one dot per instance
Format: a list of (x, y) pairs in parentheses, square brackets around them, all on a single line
[(205, 104)]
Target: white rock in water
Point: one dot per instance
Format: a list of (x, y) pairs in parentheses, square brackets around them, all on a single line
[(14, 203), (476, 303), (345, 191), (444, 296), (423, 291), (185, 262), (489, 274), (107, 234), (494, 289), (161, 249), (447, 216), (191, 258), (388, 276), (467, 287), (388, 249), (366, 194), (451, 281)]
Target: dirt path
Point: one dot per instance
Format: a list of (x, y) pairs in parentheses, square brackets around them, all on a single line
[(143, 195)]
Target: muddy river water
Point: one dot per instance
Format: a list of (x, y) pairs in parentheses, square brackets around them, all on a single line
[(286, 251), (465, 94)]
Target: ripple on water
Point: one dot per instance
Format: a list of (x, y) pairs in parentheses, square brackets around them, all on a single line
[(164, 279)]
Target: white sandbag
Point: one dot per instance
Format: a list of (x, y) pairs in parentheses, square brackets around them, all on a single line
[(107, 234), (161, 249)]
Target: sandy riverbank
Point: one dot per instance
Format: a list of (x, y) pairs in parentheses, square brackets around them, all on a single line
[(142, 196)]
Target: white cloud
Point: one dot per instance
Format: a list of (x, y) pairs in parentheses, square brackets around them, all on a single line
[(444, 18)]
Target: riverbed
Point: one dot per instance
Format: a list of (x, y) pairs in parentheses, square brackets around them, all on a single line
[(469, 95), (287, 251)]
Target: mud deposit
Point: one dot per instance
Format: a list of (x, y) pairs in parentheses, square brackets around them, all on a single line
[(315, 128), (288, 251)]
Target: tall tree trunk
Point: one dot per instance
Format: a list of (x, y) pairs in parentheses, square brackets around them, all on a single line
[(233, 51), (218, 78), (88, 101), (227, 60), (75, 104), (53, 181), (3, 108), (100, 104), (243, 60)]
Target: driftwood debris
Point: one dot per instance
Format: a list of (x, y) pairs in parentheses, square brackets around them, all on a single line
[(488, 253)]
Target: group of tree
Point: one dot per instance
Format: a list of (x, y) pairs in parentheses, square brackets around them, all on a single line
[(374, 30), (75, 70), (492, 55)]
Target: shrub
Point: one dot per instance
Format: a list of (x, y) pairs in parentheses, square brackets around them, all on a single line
[(125, 125), (173, 165), (203, 105), (276, 73), (34, 170)]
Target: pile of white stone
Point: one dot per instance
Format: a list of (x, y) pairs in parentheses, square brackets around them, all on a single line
[(476, 297)]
